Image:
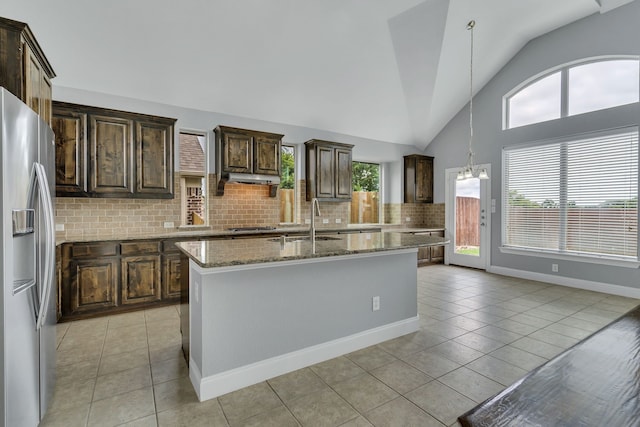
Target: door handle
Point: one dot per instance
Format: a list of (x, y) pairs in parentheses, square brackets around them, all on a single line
[(39, 181)]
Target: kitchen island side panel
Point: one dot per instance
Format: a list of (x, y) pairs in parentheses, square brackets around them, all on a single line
[(250, 315), (195, 313)]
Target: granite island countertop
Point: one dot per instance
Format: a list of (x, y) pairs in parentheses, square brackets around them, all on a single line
[(207, 233), (234, 252)]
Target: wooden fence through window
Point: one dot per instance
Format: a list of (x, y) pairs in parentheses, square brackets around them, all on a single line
[(467, 221), (287, 205), (365, 207)]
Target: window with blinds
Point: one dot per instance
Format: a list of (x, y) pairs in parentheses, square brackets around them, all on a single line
[(574, 196)]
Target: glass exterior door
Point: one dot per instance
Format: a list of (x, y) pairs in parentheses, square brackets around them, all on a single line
[(467, 221)]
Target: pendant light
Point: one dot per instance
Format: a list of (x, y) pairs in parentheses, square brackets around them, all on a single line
[(470, 170)]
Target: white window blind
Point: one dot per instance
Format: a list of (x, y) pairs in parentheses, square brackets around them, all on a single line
[(576, 196)]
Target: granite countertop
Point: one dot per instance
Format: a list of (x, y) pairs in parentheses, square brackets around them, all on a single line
[(295, 229), (223, 253), (414, 229)]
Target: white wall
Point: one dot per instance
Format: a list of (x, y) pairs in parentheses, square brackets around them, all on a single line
[(613, 33)]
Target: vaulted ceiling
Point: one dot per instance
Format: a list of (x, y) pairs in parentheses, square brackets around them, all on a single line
[(388, 70)]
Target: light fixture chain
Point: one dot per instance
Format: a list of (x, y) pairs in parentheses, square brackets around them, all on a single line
[(470, 171), (470, 27)]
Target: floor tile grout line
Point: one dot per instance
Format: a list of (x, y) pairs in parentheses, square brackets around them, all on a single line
[(591, 304), (95, 384), (153, 388)]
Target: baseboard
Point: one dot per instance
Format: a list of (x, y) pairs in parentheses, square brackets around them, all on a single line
[(235, 379), (588, 285)]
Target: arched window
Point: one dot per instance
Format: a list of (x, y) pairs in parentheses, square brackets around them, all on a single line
[(576, 88)]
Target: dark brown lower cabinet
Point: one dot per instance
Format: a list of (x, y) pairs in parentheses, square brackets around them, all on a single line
[(99, 278), (94, 284), (171, 279), (437, 252), (140, 279), (431, 254), (59, 282)]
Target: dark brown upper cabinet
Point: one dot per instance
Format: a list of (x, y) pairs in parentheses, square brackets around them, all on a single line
[(24, 70), (111, 156), (418, 179), (267, 155), (328, 170), (236, 150), (109, 153), (154, 152), (250, 152), (70, 129)]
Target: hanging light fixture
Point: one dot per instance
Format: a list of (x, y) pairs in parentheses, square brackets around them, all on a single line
[(471, 170)]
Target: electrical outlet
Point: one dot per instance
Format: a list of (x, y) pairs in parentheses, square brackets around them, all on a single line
[(168, 224), (325, 220), (59, 227), (307, 221), (554, 268), (407, 219), (338, 220), (375, 303)]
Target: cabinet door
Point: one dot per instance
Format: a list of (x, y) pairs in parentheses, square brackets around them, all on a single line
[(33, 77), (171, 276), (58, 282), (45, 99), (343, 174), (424, 180), (93, 284), (437, 252), (70, 133), (267, 156), (424, 254), (154, 158), (140, 279), (325, 172), (237, 153), (111, 154)]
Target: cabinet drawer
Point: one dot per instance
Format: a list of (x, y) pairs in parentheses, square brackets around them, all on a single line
[(81, 250), (438, 233), (169, 246), (135, 248)]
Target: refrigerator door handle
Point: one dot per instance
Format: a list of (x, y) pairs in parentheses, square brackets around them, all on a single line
[(39, 181)]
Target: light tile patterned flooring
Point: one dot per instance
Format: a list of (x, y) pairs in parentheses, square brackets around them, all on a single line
[(479, 333)]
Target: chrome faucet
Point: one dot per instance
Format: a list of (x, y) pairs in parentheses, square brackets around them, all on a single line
[(315, 210)]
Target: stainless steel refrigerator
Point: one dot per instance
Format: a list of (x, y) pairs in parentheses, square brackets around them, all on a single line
[(27, 263)]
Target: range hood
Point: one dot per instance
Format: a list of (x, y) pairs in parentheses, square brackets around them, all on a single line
[(273, 181)]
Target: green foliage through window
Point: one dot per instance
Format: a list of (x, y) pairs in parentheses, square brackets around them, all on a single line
[(365, 176), (287, 174)]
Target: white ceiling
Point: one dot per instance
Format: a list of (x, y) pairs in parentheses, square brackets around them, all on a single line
[(389, 70)]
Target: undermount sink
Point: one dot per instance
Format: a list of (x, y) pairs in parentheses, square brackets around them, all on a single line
[(304, 238)]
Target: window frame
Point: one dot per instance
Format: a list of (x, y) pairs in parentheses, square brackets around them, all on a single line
[(294, 147), (380, 190), (616, 260), (205, 177), (564, 87)]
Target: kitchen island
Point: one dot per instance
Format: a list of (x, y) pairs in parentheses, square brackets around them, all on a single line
[(262, 307)]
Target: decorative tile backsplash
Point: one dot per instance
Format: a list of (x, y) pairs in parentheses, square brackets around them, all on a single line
[(241, 206)]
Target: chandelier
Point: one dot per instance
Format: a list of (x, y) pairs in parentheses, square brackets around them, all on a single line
[(471, 170)]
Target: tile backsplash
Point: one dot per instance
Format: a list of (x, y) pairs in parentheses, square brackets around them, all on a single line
[(241, 206)]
